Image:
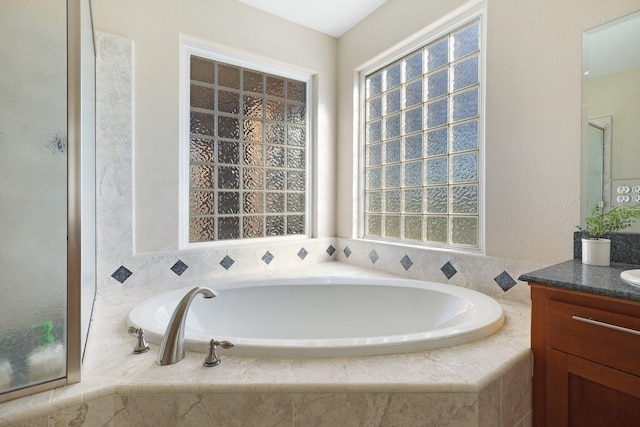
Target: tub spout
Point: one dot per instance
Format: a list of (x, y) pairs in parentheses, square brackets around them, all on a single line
[(172, 347)]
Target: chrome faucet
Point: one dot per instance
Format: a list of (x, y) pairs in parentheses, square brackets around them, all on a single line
[(172, 347)]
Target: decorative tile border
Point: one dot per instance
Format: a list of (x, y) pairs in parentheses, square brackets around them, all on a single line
[(227, 262), (121, 274), (505, 281), (465, 270), (151, 269), (179, 267), (267, 257), (406, 262), (489, 275), (448, 270)]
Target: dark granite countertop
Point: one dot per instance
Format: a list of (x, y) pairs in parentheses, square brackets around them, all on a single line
[(575, 276)]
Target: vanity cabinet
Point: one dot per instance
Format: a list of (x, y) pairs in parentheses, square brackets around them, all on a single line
[(586, 359)]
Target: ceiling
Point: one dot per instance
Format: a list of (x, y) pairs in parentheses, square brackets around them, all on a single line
[(332, 17), (612, 48)]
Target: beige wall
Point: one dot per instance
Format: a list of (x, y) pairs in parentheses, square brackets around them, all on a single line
[(155, 28), (533, 113), (533, 87)]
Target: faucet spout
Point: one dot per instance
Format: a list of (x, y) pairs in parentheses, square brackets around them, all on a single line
[(172, 347)]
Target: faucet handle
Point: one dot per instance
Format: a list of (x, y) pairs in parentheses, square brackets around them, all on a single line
[(212, 358), (141, 346)]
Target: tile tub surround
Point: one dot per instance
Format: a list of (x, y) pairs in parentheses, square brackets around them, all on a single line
[(484, 383), (118, 262), (496, 277)]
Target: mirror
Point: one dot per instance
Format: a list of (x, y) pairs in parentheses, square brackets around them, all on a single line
[(610, 111)]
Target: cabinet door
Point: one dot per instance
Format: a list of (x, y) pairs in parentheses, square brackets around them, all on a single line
[(582, 393)]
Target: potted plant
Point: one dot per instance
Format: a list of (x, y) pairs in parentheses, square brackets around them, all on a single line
[(595, 249)]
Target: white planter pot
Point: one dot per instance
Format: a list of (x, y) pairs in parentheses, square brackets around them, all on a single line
[(596, 252)]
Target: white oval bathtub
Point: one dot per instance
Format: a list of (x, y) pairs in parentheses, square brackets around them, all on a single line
[(326, 317)]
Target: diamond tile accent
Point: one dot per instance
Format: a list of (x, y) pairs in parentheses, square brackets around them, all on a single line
[(267, 257), (179, 267), (121, 274), (302, 253), (505, 281), (331, 250), (227, 262), (449, 270), (347, 251), (373, 256), (406, 262)]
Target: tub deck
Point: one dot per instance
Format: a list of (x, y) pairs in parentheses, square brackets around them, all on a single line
[(483, 383)]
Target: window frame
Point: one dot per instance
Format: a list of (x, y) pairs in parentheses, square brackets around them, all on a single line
[(445, 26), (189, 47)]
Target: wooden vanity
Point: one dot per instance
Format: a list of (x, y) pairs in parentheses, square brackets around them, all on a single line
[(585, 339)]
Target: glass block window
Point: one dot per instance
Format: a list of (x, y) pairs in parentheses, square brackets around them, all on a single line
[(248, 153), (421, 121)]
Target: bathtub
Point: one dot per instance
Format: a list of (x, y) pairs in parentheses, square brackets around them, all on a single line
[(326, 317)]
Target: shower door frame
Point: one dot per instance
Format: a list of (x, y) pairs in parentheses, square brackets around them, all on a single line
[(74, 151)]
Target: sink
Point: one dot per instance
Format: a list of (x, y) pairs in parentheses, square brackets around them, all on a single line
[(631, 276)]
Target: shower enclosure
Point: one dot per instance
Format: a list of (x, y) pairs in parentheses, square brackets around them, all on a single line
[(47, 192)]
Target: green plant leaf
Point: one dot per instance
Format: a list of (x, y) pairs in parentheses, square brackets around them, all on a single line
[(618, 218)]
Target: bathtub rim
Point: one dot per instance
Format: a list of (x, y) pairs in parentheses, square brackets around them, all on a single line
[(490, 314)]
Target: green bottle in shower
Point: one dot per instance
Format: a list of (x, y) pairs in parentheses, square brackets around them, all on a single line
[(48, 360)]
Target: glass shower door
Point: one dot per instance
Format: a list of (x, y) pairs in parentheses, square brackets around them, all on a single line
[(33, 192)]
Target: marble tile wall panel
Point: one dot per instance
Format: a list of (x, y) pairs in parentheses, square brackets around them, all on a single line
[(471, 270), (505, 401), (468, 409), (275, 409), (259, 409), (114, 145), (146, 410), (527, 421), (98, 412), (352, 409), (444, 409), (517, 393), (490, 405), (206, 265), (42, 421)]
